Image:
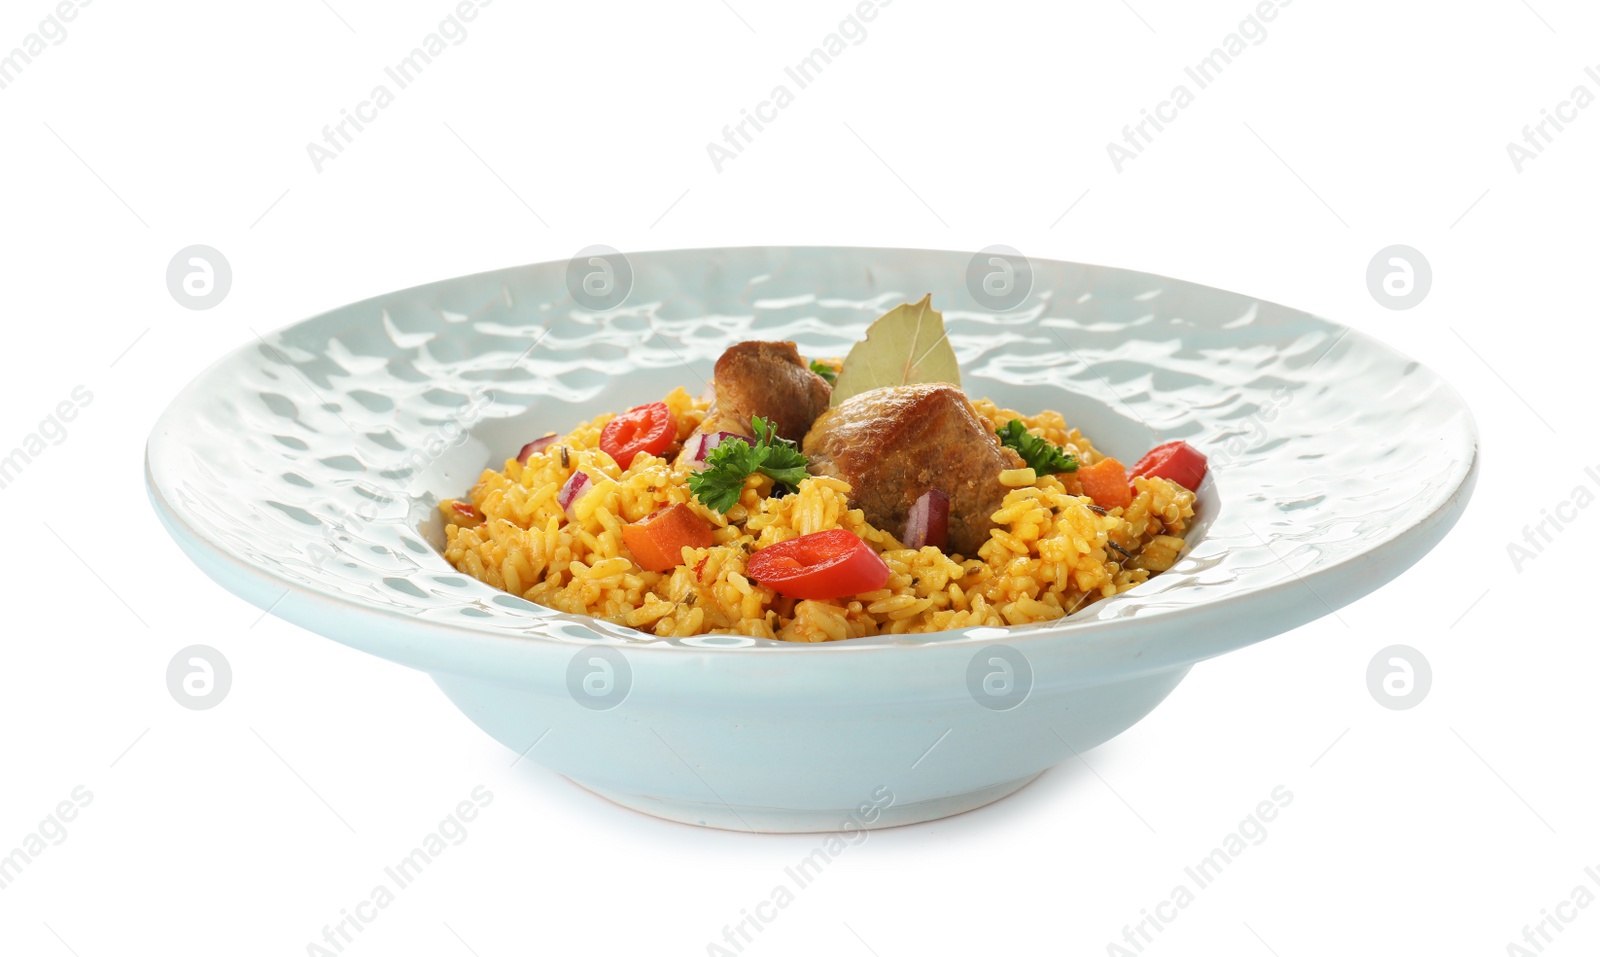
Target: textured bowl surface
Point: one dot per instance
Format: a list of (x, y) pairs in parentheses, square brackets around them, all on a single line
[(303, 471)]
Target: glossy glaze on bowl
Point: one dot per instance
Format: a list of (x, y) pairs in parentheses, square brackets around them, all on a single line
[(303, 472)]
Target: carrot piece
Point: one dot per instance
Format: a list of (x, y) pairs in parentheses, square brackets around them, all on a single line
[(1106, 482), (657, 540)]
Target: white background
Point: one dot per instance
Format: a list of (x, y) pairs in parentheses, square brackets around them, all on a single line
[(1441, 830)]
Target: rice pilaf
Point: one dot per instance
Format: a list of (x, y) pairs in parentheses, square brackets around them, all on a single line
[(1051, 552)]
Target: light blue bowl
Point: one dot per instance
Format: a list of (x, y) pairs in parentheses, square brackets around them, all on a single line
[(302, 474)]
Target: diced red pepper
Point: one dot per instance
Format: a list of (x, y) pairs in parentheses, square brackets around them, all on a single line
[(831, 564), (1176, 461)]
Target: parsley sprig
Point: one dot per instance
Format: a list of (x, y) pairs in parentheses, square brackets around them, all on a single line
[(1037, 454), (718, 485), (823, 369)]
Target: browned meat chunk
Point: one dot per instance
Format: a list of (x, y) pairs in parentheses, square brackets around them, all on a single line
[(894, 444), (768, 379)]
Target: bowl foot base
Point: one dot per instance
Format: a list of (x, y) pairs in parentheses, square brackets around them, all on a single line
[(778, 820)]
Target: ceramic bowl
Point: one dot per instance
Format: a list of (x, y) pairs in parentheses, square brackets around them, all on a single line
[(302, 472)]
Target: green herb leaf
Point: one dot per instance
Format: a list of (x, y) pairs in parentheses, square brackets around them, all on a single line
[(781, 460), (906, 344), (1037, 454), (719, 484), (823, 369)]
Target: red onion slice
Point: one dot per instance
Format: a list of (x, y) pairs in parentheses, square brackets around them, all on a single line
[(537, 445), (691, 450), (575, 488), (929, 520), (700, 445)]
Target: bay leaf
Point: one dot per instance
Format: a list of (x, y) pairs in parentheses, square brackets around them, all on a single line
[(905, 345)]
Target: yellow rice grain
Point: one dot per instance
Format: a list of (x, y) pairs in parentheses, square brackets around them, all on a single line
[(1017, 478)]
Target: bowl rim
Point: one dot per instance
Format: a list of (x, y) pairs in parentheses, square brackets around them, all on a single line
[(1091, 632)]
